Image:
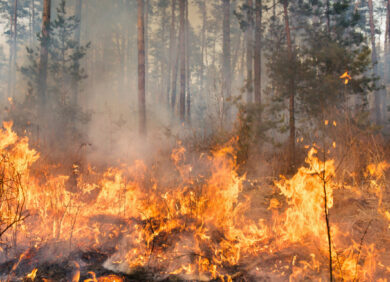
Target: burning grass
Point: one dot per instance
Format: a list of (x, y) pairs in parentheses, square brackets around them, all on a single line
[(191, 220)]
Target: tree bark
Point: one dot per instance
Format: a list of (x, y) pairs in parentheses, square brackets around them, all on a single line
[(44, 53), (249, 52), (32, 27), (387, 41), (258, 52), (172, 60), (141, 68), (78, 12), (174, 77), (146, 36), (163, 61), (291, 88), (13, 51), (387, 32), (386, 63), (171, 50), (226, 87), (377, 98), (203, 42), (188, 70), (328, 17), (182, 61)]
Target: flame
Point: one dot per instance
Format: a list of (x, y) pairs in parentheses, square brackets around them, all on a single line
[(198, 223), (32, 274), (346, 77), (305, 197)]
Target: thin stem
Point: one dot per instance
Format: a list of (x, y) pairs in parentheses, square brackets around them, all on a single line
[(326, 204)]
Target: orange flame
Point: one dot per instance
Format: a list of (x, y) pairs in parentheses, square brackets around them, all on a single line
[(346, 77), (199, 225)]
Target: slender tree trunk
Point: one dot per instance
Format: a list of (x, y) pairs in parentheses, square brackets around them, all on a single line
[(141, 68), (387, 32), (30, 23), (386, 63), (171, 50), (292, 88), (13, 50), (377, 98), (242, 68), (33, 20), (203, 42), (182, 105), (328, 16), (387, 43), (9, 84), (15, 38), (188, 70), (226, 87), (163, 61), (249, 53), (236, 48), (146, 36), (174, 77), (78, 14), (44, 53), (274, 9), (129, 49), (258, 52)]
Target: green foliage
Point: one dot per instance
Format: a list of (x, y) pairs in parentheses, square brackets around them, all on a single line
[(65, 53), (320, 57), (64, 74)]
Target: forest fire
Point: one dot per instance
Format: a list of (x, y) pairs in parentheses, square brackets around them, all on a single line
[(199, 226), (177, 140)]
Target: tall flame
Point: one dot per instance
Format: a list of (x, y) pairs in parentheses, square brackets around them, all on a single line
[(199, 224)]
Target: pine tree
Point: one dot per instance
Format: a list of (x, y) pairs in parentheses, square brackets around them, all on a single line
[(51, 72), (317, 51)]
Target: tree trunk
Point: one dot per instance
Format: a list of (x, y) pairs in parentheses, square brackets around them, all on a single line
[(182, 105), (203, 42), (30, 25), (377, 98), (258, 53), (174, 77), (172, 60), (13, 51), (226, 86), (33, 21), (188, 70), (43, 61), (146, 36), (292, 88), (171, 50), (141, 68), (387, 43), (387, 32), (163, 62), (78, 12), (274, 9), (386, 63), (249, 52)]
